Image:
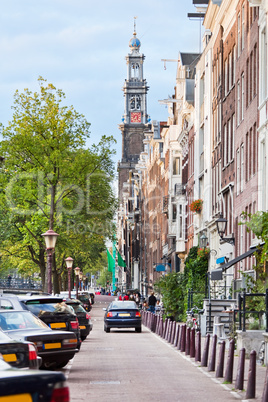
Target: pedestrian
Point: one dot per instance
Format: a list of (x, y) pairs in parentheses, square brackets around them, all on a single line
[(152, 302), (9, 280), (126, 297)]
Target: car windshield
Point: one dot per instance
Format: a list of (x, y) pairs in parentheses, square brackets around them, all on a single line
[(118, 305), (20, 320), (77, 308), (39, 307)]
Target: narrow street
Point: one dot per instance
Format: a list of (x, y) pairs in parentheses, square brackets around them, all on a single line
[(125, 365)]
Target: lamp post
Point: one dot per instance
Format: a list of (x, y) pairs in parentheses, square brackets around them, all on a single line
[(50, 239), (77, 271), (221, 228), (69, 264)]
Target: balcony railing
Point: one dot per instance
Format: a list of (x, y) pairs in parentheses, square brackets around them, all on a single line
[(180, 189)]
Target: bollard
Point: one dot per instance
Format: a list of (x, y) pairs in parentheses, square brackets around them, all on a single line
[(180, 338), (265, 388), (188, 339), (204, 360), (161, 328), (167, 328), (198, 347), (251, 388), (176, 340), (230, 364), (192, 343), (219, 372), (164, 328), (212, 362), (158, 324), (183, 338), (154, 323), (170, 331), (239, 383), (173, 333)]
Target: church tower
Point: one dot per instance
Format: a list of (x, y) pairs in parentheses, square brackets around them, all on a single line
[(135, 118)]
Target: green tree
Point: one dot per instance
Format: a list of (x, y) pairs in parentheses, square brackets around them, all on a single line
[(50, 180), (174, 287)]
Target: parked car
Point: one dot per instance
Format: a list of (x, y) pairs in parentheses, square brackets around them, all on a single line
[(55, 347), (50, 309), (85, 299), (32, 385), (122, 314), (85, 323), (19, 354)]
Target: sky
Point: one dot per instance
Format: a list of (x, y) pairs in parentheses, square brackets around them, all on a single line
[(80, 47)]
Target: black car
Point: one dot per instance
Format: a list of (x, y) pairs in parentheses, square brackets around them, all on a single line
[(32, 385), (55, 348), (122, 314), (85, 323), (52, 310), (19, 354), (86, 301)]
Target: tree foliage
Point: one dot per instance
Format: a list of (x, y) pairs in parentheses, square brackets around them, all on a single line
[(49, 179), (174, 287)]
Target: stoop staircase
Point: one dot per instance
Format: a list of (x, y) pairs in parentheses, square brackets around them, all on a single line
[(219, 318)]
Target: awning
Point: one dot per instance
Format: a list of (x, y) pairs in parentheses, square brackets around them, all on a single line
[(216, 274)]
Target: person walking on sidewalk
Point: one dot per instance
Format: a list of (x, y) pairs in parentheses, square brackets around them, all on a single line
[(152, 302)]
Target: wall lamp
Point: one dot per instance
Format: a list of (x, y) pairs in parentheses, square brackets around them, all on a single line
[(221, 227)]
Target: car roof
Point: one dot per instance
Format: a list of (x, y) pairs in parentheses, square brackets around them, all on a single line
[(40, 297)]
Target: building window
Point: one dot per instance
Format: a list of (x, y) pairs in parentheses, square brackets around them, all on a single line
[(176, 166), (238, 102), (237, 172), (243, 28), (174, 212), (242, 95), (226, 76), (263, 66), (242, 168), (225, 158), (238, 35)]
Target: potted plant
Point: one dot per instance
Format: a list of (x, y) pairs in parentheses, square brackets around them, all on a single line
[(196, 206)]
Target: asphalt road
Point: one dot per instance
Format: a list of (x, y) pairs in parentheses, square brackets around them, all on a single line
[(127, 366)]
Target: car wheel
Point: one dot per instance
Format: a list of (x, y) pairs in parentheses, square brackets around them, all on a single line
[(83, 338), (138, 329), (106, 329)]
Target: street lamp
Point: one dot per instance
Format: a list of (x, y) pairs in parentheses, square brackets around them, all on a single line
[(77, 271), (69, 264), (221, 228), (50, 239), (203, 240)]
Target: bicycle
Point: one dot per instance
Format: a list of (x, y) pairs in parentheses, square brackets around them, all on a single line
[(193, 318), (261, 353)]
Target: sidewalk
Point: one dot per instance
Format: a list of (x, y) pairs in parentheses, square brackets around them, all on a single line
[(260, 370)]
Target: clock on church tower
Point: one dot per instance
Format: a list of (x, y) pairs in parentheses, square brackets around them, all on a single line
[(135, 117)]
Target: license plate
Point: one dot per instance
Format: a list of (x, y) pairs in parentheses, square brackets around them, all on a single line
[(10, 357), (52, 345), (16, 398), (57, 325), (82, 327), (124, 315)]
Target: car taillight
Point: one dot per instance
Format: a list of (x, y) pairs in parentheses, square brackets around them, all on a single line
[(32, 352), (71, 343), (39, 345), (88, 317), (75, 324), (109, 314), (60, 393), (138, 314)]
